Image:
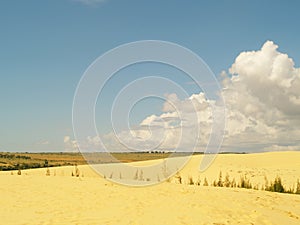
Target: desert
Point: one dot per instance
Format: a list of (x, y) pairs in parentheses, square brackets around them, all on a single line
[(60, 198)]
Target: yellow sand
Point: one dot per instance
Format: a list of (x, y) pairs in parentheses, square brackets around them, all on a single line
[(34, 198)]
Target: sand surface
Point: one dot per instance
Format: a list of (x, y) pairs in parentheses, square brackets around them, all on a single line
[(34, 198)]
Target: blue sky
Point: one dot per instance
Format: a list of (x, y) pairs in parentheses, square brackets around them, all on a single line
[(45, 47)]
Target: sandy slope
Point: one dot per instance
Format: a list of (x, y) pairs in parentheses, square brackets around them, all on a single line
[(34, 198)]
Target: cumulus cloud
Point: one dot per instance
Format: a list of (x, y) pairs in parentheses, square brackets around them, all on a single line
[(262, 95), (180, 126)]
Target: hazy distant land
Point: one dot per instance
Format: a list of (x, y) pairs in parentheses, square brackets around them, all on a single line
[(29, 160)]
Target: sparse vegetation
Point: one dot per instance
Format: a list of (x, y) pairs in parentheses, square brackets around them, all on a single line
[(47, 172), (227, 182), (198, 182), (141, 176), (244, 182), (233, 183), (77, 171), (191, 181), (205, 183), (178, 178), (220, 183), (136, 176), (298, 187), (276, 186)]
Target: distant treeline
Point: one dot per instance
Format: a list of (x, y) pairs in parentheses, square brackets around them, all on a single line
[(24, 166), (11, 156)]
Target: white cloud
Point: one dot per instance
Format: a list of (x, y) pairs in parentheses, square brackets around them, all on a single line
[(262, 96), (174, 128)]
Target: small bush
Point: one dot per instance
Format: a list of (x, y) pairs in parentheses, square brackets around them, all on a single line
[(77, 172), (136, 176), (198, 182), (276, 186), (227, 182), (215, 183), (266, 183), (220, 182), (290, 190), (205, 183), (190, 181), (245, 183), (233, 183), (298, 187), (19, 172), (178, 178), (47, 172), (141, 176)]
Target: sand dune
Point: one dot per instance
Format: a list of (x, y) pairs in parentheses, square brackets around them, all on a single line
[(34, 198)]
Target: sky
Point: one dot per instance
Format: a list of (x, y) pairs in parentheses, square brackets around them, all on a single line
[(46, 46)]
